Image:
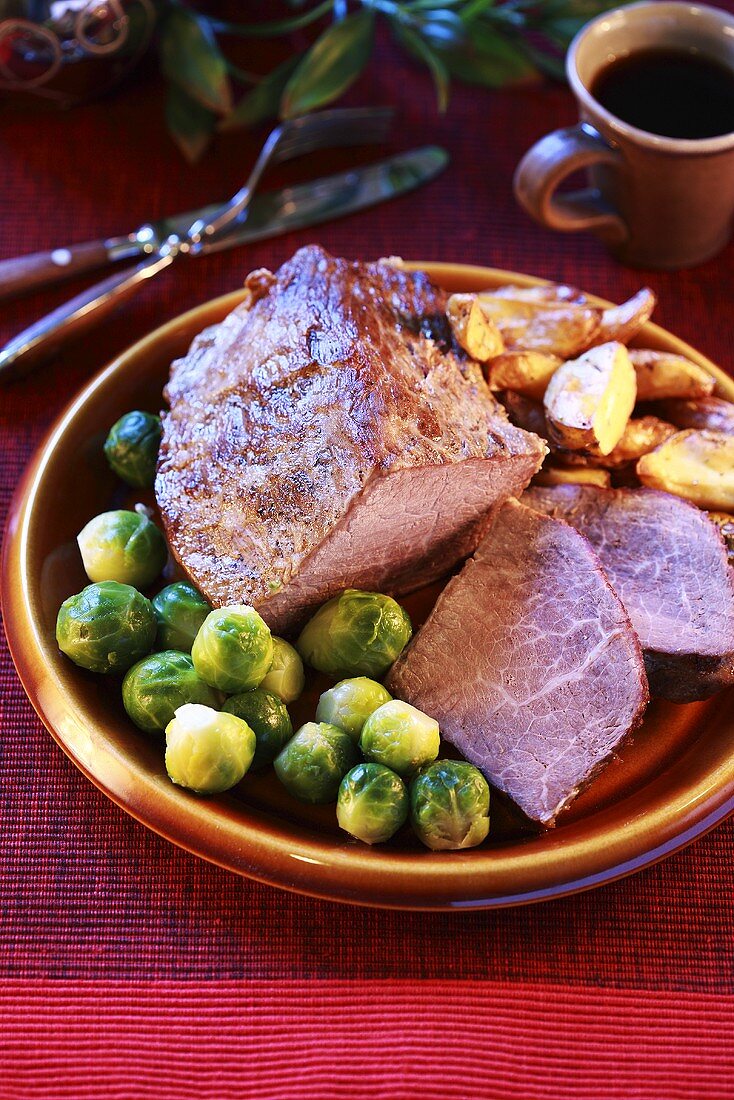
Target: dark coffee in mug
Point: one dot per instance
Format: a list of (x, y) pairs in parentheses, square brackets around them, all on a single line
[(676, 93)]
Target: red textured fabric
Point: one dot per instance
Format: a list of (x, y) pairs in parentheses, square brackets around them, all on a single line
[(629, 974), (382, 1040)]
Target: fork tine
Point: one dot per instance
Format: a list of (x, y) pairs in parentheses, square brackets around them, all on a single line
[(352, 126)]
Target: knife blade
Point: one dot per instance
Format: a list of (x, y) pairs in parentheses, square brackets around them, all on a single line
[(270, 214)]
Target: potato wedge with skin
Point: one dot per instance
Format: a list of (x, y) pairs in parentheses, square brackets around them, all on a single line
[(524, 412), (725, 523), (639, 438), (696, 465), (661, 374), (527, 372), (589, 400), (577, 475), (476, 334), (562, 329), (552, 292), (708, 413), (621, 323)]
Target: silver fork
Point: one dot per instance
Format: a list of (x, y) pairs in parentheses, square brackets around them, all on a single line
[(294, 138)]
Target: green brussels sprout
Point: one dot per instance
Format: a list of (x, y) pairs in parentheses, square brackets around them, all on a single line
[(372, 804), (355, 634), (267, 716), (122, 546), (131, 448), (350, 703), (286, 678), (449, 805), (206, 750), (157, 686), (106, 627), (180, 610), (233, 649), (401, 737), (314, 762)]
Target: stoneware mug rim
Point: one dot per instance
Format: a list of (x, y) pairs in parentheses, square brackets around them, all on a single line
[(658, 142)]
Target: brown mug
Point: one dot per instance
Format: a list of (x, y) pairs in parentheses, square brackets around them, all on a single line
[(655, 201)]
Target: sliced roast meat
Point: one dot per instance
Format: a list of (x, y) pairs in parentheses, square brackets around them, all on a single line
[(667, 563), (328, 434), (529, 662)]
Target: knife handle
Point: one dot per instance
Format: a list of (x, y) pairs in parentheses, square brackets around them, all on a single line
[(46, 336), (24, 273)]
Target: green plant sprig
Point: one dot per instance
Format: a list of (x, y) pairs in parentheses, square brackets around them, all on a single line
[(492, 43)]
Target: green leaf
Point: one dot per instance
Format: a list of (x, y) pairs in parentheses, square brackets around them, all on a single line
[(548, 63), (475, 8), (420, 49), (489, 58), (332, 64), (190, 125), (263, 101), (275, 27), (192, 59), (430, 5)]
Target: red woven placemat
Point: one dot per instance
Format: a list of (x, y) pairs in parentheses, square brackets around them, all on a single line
[(90, 895), (379, 1040)]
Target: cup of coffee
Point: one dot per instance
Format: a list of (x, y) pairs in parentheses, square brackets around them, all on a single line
[(654, 83)]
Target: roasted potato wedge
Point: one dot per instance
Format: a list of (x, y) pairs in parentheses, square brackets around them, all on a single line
[(621, 323), (576, 475), (589, 400), (710, 413), (556, 328), (661, 374), (639, 438), (551, 292), (527, 372), (523, 412), (697, 465), (725, 523), (477, 334)]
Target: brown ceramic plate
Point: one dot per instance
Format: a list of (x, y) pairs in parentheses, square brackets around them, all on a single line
[(674, 782)]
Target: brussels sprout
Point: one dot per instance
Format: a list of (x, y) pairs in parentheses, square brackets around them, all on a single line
[(122, 546), (157, 686), (355, 634), (285, 678), (373, 803), (449, 805), (267, 717), (106, 627), (206, 750), (350, 703), (314, 762), (180, 611), (400, 736), (131, 448), (233, 649)]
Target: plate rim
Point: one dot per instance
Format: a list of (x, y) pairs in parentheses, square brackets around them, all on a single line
[(309, 875)]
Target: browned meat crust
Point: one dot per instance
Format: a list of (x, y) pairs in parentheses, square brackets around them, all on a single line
[(328, 434)]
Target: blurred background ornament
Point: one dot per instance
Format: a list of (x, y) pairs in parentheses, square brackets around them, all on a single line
[(61, 52)]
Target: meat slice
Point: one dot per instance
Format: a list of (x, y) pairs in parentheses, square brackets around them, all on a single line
[(529, 662), (667, 563), (328, 434)]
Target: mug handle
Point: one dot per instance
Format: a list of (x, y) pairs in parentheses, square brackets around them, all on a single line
[(548, 163)]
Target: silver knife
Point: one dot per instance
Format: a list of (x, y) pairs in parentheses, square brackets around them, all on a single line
[(268, 215)]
